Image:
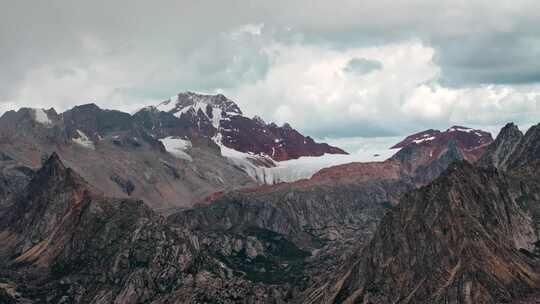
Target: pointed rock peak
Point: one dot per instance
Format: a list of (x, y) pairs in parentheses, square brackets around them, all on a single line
[(510, 130), (453, 151), (53, 172), (499, 152), (52, 166), (533, 131)]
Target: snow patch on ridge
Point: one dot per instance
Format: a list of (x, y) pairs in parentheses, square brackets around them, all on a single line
[(247, 162), (461, 129), (167, 105), (41, 116), (84, 141), (421, 140), (177, 147)]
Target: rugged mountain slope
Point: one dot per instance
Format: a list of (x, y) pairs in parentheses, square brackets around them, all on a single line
[(172, 155), (327, 216), (321, 220), (471, 236), (216, 116), (498, 153), (62, 243), (417, 162), (465, 238), (117, 155)]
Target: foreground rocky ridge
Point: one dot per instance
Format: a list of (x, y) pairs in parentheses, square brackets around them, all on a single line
[(62, 243), (463, 239), (471, 236)]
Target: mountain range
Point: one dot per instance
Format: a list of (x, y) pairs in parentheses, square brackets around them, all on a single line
[(190, 201), (172, 155)]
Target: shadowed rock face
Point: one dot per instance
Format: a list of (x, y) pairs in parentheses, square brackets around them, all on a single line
[(329, 215), (498, 153), (465, 238), (471, 236), (318, 226), (62, 243)]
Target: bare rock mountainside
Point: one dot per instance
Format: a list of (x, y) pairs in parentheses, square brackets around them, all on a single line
[(452, 217), (470, 236), (328, 216), (62, 243), (170, 156)]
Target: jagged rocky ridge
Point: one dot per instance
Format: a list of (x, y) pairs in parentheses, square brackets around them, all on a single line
[(266, 244), (219, 118), (168, 155), (471, 236), (327, 216), (116, 155), (62, 243)]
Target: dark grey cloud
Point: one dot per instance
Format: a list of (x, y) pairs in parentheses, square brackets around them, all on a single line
[(491, 58)]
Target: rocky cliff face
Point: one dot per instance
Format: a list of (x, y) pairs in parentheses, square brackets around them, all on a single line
[(465, 238), (498, 153), (62, 243), (471, 236), (348, 234), (327, 216), (315, 228)]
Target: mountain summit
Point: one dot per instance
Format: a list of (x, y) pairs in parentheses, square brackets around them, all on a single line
[(193, 115)]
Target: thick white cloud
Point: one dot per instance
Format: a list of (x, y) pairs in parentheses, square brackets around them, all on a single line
[(308, 86)]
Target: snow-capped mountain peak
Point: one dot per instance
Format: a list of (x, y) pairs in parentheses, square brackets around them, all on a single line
[(214, 117), (207, 103)]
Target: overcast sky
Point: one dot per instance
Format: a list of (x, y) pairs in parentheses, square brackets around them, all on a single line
[(341, 68)]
